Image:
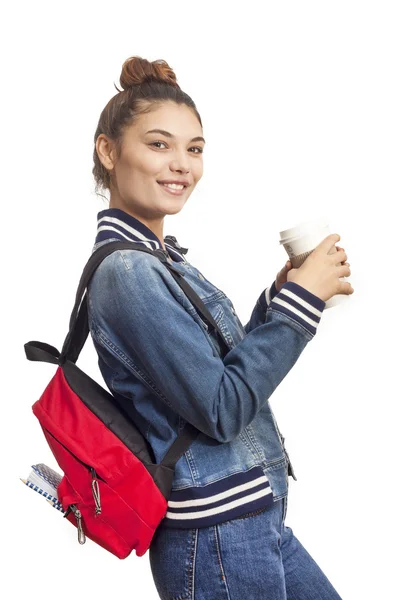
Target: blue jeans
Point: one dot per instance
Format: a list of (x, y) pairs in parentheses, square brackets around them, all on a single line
[(253, 557)]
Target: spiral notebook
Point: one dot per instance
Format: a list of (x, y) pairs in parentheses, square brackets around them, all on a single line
[(44, 480)]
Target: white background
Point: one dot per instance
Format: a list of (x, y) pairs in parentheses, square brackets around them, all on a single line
[(300, 106)]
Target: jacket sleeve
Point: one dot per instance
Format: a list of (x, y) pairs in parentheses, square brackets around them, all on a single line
[(258, 314), (139, 313)]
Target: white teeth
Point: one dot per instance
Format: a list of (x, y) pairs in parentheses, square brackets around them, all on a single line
[(174, 186)]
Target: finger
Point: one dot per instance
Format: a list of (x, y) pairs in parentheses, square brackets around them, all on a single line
[(328, 242), (342, 257), (344, 271), (340, 248), (346, 288)]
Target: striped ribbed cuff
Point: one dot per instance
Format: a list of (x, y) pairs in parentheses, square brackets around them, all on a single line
[(298, 303), (266, 296), (270, 293)]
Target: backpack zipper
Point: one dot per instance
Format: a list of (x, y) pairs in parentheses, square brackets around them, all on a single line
[(78, 515), (95, 477), (96, 491)]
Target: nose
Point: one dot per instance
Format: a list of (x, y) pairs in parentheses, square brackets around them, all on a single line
[(180, 162)]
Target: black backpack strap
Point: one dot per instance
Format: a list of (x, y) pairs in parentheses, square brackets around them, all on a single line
[(42, 352), (188, 434), (78, 324), (79, 331)]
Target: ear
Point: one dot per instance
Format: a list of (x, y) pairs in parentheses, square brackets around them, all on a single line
[(106, 151)]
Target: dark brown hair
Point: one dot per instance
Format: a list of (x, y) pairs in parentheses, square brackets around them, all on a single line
[(145, 85)]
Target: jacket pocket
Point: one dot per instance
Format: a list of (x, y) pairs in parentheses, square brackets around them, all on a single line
[(276, 473)]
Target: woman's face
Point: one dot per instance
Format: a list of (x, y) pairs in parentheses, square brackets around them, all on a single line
[(148, 158)]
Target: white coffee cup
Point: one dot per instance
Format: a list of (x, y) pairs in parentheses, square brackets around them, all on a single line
[(300, 241)]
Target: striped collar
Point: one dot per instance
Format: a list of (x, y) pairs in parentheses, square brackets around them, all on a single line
[(118, 224)]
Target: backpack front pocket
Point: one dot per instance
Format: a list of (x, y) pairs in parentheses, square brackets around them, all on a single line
[(82, 475), (99, 510)]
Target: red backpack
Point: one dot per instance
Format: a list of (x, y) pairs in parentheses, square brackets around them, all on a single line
[(112, 490)]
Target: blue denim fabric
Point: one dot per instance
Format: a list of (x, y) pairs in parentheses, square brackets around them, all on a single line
[(158, 357), (255, 556)]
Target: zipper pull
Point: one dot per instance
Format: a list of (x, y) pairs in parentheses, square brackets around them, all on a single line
[(78, 515), (96, 491)]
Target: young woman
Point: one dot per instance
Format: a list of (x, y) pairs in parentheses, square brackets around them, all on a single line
[(224, 534)]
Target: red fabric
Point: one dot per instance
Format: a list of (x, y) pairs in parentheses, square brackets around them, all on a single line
[(132, 505)]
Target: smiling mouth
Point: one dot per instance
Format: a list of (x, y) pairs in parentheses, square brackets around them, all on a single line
[(173, 186)]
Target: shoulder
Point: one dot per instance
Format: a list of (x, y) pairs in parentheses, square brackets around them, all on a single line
[(126, 271), (121, 261), (124, 260)]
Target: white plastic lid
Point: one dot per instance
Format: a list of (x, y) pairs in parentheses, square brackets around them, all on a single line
[(302, 228)]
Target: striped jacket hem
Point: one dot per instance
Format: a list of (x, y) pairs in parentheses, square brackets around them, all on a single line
[(220, 501)]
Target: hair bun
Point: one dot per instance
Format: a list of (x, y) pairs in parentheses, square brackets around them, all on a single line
[(136, 70)]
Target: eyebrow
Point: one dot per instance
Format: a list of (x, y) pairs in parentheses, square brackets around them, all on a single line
[(168, 134)]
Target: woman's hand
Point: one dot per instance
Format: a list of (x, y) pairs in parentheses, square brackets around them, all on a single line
[(281, 277)]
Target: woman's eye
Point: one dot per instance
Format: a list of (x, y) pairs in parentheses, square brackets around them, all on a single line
[(200, 150), (153, 143)]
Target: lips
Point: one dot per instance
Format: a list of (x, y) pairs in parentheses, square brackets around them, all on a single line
[(173, 191)]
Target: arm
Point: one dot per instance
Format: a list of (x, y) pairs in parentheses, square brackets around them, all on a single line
[(139, 313)]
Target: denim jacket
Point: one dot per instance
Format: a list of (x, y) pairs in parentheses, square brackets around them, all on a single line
[(158, 356)]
